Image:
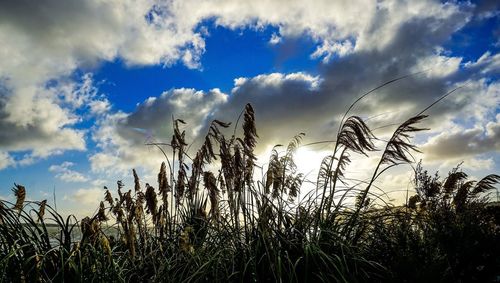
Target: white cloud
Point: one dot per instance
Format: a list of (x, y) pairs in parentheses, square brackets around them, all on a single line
[(438, 66), (44, 42), (64, 173), (99, 107), (155, 32), (5, 160), (43, 129), (89, 196), (99, 182), (487, 63), (481, 99), (48, 40), (277, 80), (275, 39), (394, 17), (485, 164), (42, 120), (327, 50)]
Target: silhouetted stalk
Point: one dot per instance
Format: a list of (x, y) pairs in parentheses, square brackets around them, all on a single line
[(323, 195), (333, 185)]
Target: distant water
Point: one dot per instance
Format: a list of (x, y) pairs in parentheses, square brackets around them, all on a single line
[(76, 234)]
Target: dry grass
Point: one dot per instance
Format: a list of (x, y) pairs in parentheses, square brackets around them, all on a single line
[(223, 225)]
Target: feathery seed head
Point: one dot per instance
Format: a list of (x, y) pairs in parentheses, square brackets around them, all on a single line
[(20, 193)]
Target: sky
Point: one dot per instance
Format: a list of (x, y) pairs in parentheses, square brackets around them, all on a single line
[(85, 84)]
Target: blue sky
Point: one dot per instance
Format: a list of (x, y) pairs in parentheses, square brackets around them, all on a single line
[(84, 84)]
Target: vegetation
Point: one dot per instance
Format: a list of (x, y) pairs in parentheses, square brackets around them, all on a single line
[(226, 224)]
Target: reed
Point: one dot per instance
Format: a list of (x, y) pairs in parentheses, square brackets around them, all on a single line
[(226, 224)]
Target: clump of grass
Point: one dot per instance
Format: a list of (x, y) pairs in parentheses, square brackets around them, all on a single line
[(446, 232), (227, 225), (39, 248)]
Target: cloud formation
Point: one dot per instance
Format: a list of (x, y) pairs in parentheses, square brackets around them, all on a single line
[(121, 137), (40, 121), (64, 173), (458, 142)]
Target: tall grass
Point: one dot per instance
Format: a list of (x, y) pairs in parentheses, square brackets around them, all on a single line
[(229, 225)]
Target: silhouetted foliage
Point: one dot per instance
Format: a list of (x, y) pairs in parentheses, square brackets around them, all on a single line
[(225, 224)]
